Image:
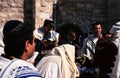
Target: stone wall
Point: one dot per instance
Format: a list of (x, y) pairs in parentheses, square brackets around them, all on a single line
[(43, 10), (113, 14), (10, 9), (82, 13), (30, 11)]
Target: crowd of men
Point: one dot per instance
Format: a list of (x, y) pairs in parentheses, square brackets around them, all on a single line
[(44, 53)]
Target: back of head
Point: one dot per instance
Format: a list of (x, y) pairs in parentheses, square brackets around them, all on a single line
[(105, 53), (71, 35), (15, 35), (48, 22)]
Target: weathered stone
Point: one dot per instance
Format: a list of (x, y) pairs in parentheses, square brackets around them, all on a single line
[(79, 12), (10, 9)]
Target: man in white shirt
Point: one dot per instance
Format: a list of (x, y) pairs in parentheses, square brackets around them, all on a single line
[(19, 46), (46, 38), (46, 34), (59, 63), (89, 44)]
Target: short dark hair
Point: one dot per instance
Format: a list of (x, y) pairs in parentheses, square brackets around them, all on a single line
[(71, 32), (48, 22), (96, 23), (16, 34)]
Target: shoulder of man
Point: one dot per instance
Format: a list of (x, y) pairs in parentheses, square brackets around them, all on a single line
[(89, 38), (25, 69)]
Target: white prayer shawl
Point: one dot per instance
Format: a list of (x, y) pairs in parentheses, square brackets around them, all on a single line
[(59, 63), (54, 35), (88, 48), (19, 69), (39, 35), (3, 62), (116, 70), (116, 39)]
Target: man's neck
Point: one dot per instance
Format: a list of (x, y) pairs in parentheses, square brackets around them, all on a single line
[(98, 35)]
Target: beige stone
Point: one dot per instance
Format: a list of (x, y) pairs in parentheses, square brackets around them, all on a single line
[(3, 15)]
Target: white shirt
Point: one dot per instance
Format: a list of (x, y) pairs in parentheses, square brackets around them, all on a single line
[(3, 62), (39, 34), (17, 68), (116, 70), (59, 63), (89, 44), (51, 68)]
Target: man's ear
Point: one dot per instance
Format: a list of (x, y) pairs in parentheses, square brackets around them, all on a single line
[(27, 44)]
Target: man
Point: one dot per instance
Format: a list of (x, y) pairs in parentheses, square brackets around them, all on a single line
[(59, 63), (70, 38), (115, 31), (46, 34), (89, 44), (104, 58), (46, 39), (19, 46)]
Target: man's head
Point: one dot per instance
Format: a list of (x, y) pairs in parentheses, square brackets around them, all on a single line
[(48, 25), (97, 29), (18, 39), (71, 35)]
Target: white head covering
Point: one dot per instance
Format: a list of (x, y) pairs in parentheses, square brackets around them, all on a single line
[(115, 28)]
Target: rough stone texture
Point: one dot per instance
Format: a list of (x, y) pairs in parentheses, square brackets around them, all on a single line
[(10, 9), (44, 10), (30, 11), (113, 12), (79, 12), (85, 12)]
